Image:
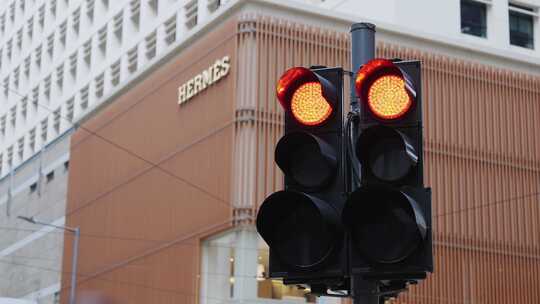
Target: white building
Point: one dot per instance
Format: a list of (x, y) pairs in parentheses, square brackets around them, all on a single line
[(61, 59)]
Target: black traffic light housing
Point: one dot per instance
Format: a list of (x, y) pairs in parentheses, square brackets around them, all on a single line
[(302, 224), (388, 218)]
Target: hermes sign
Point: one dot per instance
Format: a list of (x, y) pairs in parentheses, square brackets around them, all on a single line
[(200, 82)]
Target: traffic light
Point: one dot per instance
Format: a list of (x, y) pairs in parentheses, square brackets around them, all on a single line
[(302, 224), (388, 218)]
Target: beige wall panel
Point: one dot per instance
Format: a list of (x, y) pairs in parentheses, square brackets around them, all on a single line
[(158, 127)]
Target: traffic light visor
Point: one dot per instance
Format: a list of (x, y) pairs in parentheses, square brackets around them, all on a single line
[(306, 159), (387, 153), (302, 229), (386, 224), (309, 97), (385, 89)]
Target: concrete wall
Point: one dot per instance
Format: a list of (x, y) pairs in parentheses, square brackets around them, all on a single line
[(30, 254)]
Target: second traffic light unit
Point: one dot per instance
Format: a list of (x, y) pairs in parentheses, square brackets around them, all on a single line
[(389, 216)]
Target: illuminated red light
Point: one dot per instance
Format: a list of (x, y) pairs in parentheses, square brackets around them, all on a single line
[(381, 85), (300, 91)]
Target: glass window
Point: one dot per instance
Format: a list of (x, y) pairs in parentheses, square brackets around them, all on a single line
[(473, 18), (275, 289), (521, 27), (235, 267)]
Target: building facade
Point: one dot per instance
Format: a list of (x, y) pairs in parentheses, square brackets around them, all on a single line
[(174, 199), (90, 61)]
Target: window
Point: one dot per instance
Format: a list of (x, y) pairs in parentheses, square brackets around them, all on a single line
[(191, 13), (13, 115), (20, 147), (99, 84), (5, 84), (87, 51), (473, 18), (33, 187), (73, 64), (19, 38), (60, 77), (75, 20), (170, 30), (221, 271), (57, 115), (70, 109), (16, 74), (35, 96), (21, 6), (50, 45), (115, 73), (154, 4), (50, 176), (84, 98), (41, 16), (102, 38), (12, 11), (150, 45), (24, 107), (52, 7), (37, 56), (62, 29), (9, 45), (213, 5), (32, 140), (44, 129), (47, 87), (66, 165), (135, 11), (3, 120), (522, 26), (118, 24), (10, 156), (90, 9), (27, 62), (132, 59), (3, 23)]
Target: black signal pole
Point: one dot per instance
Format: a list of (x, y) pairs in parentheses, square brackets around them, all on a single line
[(362, 51)]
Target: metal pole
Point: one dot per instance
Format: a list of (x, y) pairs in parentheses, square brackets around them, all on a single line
[(365, 292), (76, 236), (362, 51)]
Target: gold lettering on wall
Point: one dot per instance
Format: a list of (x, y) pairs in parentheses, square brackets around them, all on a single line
[(203, 80)]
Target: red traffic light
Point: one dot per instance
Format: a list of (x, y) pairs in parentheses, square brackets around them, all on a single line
[(309, 97), (385, 89)]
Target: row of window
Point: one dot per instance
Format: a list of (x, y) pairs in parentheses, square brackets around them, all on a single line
[(58, 38), (28, 143), (474, 15), (21, 110), (65, 75), (16, 44), (14, 16)]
